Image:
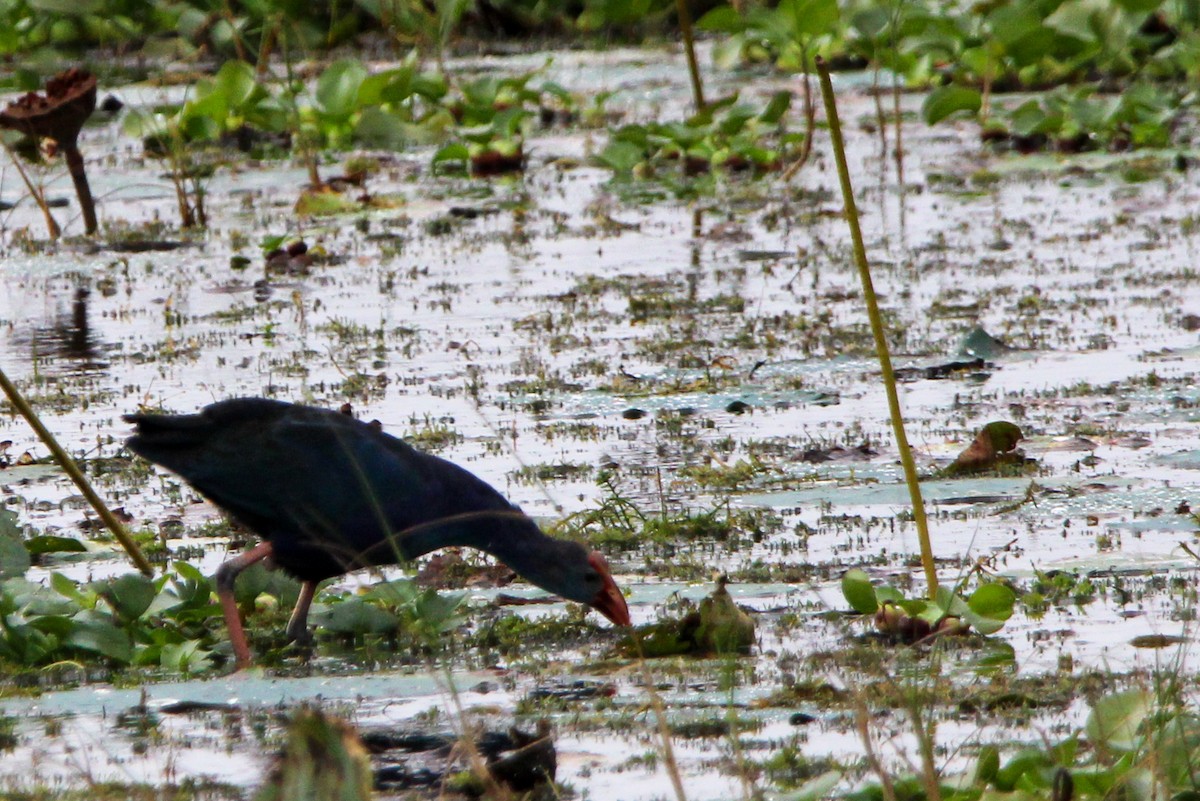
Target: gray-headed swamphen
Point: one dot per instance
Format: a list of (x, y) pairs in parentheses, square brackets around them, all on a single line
[(330, 494)]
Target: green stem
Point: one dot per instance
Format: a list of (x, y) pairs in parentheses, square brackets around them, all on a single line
[(72, 469), (881, 347), (689, 43)]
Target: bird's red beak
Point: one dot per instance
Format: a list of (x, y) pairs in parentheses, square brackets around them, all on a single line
[(609, 601)]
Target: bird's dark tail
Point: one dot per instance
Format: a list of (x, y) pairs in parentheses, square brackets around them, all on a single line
[(158, 432), (183, 442)]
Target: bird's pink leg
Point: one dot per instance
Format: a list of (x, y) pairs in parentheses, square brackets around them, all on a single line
[(227, 574), (297, 627)]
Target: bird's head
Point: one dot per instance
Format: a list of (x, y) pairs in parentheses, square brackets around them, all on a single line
[(567, 569), (607, 599)]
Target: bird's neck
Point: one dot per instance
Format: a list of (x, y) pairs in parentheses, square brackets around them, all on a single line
[(508, 535)]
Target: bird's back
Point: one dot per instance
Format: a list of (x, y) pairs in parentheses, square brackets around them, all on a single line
[(330, 493)]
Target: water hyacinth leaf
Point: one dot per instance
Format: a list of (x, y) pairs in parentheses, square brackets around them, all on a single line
[(130, 595), (1029, 118), (987, 764), (1115, 719), (722, 19), (257, 579), (871, 22), (380, 129), (14, 556), (1102, 783), (1018, 28), (947, 602), (430, 86), (185, 657), (389, 86), (67, 588), (736, 118), (338, 86), (929, 611), (26, 645), (190, 586), (356, 617), (994, 600), (94, 633), (234, 83), (395, 593), (436, 613), (620, 157), (947, 100), (58, 626), (48, 544), (35, 600), (888, 594), (600, 13), (1074, 20), (69, 7), (809, 18), (453, 152), (859, 593), (188, 571)]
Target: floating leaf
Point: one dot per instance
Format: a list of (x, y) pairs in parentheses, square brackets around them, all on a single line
[(994, 600), (858, 592), (989, 607), (48, 544)]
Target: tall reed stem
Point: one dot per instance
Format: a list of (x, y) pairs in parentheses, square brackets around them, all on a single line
[(881, 346), (72, 470)]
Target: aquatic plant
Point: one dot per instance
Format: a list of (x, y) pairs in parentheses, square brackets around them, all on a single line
[(57, 116), (726, 135), (949, 612)]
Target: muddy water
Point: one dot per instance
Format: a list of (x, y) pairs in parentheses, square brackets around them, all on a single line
[(520, 331)]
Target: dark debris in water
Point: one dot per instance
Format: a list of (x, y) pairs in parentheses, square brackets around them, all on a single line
[(516, 759)]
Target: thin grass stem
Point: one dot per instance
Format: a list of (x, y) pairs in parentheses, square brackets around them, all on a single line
[(660, 717), (39, 197)]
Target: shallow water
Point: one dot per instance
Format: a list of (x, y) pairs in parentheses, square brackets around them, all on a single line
[(519, 331)]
